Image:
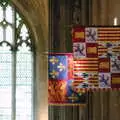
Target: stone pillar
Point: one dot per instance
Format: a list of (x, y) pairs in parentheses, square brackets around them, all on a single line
[(103, 8), (114, 105), (41, 95), (114, 6)]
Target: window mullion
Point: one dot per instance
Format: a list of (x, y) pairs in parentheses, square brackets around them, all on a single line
[(14, 85), (4, 32), (14, 72), (33, 86)]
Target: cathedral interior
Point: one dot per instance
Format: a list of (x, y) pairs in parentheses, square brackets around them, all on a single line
[(51, 22)]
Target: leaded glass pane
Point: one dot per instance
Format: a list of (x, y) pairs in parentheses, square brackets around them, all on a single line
[(24, 48), (5, 82), (9, 14), (1, 14), (5, 47), (9, 34), (24, 32), (4, 3), (24, 84), (1, 33), (18, 20), (29, 41)]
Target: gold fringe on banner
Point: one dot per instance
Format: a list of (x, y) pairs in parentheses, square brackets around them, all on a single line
[(81, 105)]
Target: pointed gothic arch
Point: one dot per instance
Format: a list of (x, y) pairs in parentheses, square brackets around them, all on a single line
[(16, 61), (35, 13)]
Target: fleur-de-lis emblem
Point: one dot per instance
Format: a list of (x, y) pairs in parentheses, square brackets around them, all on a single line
[(54, 60), (54, 74), (73, 98), (61, 67)]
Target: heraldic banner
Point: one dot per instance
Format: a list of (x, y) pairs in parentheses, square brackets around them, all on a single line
[(96, 53), (94, 64), (61, 87)]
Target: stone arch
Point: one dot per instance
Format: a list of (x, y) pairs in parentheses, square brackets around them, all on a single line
[(35, 13)]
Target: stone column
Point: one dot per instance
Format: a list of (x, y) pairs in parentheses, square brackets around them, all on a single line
[(41, 87)]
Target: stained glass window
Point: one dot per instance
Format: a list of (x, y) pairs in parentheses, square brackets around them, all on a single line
[(16, 65)]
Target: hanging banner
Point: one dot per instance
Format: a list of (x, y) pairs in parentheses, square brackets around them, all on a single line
[(61, 88), (96, 54), (93, 65)]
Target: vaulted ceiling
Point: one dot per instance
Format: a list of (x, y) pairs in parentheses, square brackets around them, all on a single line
[(36, 14)]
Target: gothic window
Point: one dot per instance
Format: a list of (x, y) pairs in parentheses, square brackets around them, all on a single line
[(16, 65)]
